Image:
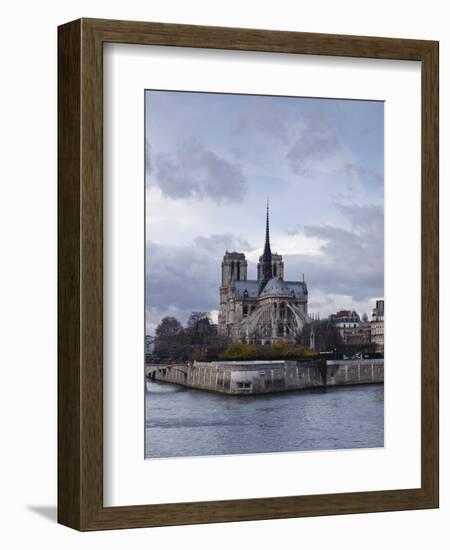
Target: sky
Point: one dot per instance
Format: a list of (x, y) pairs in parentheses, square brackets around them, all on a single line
[(211, 162)]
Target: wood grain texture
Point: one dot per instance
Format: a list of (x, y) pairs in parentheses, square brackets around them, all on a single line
[(80, 264), (69, 243), (430, 273)]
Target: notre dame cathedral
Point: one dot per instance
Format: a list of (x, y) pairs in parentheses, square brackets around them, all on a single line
[(265, 310)]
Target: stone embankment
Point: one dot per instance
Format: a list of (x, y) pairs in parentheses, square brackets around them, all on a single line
[(256, 377)]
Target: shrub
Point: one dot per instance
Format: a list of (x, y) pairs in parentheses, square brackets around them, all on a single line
[(279, 350), (240, 350)]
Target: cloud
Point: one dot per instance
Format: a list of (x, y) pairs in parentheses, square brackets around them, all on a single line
[(367, 219), (319, 149), (215, 244), (148, 156), (185, 278), (359, 172), (352, 261), (193, 171), (264, 118)]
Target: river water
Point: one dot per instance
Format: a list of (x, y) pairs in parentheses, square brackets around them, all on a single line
[(187, 422)]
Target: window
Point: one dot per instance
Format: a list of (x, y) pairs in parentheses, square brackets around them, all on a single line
[(244, 385)]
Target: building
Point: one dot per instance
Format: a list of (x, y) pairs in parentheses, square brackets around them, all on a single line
[(352, 330), (377, 325), (265, 310)]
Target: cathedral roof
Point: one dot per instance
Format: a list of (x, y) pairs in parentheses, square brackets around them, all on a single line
[(250, 286), (274, 287)]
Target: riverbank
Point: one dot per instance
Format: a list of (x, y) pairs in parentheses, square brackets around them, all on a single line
[(257, 377)]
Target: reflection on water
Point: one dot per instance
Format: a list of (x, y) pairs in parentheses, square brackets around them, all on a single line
[(186, 422)]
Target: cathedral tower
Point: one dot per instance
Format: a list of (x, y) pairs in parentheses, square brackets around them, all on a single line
[(234, 268)]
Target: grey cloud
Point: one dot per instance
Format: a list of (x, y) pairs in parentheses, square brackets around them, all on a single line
[(318, 148), (179, 275), (148, 156), (266, 119), (215, 244), (357, 171), (316, 144), (368, 219), (353, 260), (197, 172), (186, 278)]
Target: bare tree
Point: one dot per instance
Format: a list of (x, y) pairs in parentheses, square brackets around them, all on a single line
[(200, 328), (199, 340), (204, 340), (326, 336), (169, 339)]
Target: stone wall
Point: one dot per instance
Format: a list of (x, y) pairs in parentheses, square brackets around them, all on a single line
[(341, 373), (255, 377)]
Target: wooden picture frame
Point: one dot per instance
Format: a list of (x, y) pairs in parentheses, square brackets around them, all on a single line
[(80, 271)]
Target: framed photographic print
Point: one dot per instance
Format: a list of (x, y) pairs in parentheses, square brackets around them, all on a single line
[(237, 209)]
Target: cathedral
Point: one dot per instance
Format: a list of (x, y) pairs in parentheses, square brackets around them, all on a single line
[(262, 311)]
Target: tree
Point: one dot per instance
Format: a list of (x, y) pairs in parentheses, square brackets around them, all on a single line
[(326, 336), (200, 328), (198, 341), (169, 339), (205, 343), (168, 327)]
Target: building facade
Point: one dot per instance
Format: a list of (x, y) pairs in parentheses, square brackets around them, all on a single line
[(377, 325), (265, 310), (352, 330)]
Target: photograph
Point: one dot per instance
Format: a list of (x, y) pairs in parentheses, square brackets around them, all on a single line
[(220, 203), (264, 274)]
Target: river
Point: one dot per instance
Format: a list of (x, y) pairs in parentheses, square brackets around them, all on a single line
[(187, 422)]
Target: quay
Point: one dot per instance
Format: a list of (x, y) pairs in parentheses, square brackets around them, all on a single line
[(258, 377)]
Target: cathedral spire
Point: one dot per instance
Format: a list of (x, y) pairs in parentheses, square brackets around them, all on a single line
[(267, 243), (266, 264)]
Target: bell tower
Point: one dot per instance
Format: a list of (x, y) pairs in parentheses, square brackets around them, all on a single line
[(234, 268)]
